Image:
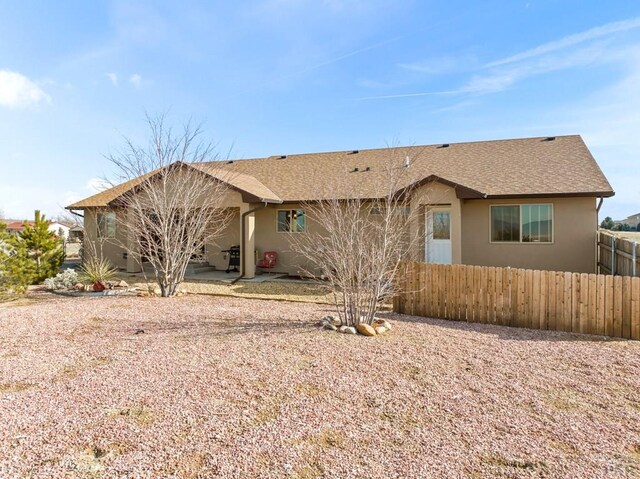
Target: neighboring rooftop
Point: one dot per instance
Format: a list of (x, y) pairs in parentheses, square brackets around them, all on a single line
[(541, 166)]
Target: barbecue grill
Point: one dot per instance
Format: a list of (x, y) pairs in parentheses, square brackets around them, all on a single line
[(234, 258)]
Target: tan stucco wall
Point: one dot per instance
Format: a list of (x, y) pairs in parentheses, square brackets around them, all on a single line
[(267, 238), (110, 248), (573, 248), (114, 249), (230, 237)]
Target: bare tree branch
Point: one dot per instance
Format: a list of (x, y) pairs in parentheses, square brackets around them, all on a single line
[(175, 204), (357, 243)]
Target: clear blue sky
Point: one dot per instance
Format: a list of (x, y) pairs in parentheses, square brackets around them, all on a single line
[(285, 76)]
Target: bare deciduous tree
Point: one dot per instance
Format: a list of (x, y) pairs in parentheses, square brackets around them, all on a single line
[(358, 242), (176, 205)]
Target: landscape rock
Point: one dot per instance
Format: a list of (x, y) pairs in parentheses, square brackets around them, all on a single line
[(382, 322), (380, 329), (330, 327), (365, 329), (79, 287), (122, 284), (332, 320), (347, 329)]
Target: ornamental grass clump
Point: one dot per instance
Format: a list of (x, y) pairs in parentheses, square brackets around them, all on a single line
[(97, 270)]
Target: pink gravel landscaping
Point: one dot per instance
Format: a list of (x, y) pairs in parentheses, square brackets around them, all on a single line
[(232, 387)]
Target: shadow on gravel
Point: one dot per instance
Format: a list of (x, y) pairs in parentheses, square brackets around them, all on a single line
[(222, 328), (506, 333)]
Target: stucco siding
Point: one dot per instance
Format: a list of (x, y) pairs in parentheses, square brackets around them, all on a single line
[(572, 249), (112, 249), (230, 237), (269, 239)]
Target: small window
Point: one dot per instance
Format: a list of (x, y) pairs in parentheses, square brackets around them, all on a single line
[(107, 225), (522, 223), (441, 225), (291, 221), (505, 223)]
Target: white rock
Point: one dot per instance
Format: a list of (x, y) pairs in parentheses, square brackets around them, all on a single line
[(347, 329)]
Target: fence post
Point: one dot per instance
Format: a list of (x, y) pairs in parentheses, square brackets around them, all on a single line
[(613, 255), (633, 258)]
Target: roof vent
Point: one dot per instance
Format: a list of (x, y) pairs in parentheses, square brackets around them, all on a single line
[(355, 170), (230, 161), (353, 152), (407, 161), (549, 138), (282, 157), (444, 145), (368, 168)]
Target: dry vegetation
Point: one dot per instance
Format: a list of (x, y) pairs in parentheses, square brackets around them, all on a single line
[(230, 387)]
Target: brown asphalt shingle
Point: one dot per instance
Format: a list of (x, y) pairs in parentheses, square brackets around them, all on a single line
[(518, 167)]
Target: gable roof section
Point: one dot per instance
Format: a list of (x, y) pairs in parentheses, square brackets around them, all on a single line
[(527, 167), (250, 188)]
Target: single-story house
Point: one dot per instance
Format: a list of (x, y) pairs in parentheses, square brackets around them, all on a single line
[(526, 203), (56, 227)]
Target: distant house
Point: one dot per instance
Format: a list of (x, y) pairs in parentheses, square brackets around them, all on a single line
[(633, 221), (526, 203), (58, 228)]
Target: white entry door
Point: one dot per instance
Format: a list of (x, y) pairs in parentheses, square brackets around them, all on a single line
[(438, 235)]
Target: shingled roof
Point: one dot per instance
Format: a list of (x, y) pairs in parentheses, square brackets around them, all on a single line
[(527, 167)]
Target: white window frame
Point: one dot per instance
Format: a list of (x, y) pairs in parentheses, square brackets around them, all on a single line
[(520, 205), (290, 210)]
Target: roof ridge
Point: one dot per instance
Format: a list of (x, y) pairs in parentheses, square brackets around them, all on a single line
[(363, 150)]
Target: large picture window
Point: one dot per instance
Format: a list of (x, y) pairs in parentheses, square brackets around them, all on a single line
[(107, 225), (291, 221), (522, 223)]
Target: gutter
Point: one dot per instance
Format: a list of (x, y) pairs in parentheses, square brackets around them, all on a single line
[(242, 236)]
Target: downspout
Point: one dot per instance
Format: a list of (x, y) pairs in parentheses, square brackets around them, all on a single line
[(242, 241), (598, 235)]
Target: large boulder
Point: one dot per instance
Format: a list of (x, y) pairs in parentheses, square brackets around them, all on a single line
[(365, 329)]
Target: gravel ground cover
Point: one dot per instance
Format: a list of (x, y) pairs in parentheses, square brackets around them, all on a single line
[(230, 387), (277, 290)]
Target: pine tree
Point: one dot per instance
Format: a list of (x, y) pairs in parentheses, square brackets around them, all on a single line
[(44, 249), (16, 270), (607, 223)]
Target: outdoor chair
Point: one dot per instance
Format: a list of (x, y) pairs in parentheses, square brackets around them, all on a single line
[(268, 260)]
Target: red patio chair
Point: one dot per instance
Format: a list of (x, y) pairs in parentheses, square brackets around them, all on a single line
[(268, 260)]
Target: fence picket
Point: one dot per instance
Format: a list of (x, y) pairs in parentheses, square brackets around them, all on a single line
[(552, 319), (544, 294), (568, 303), (609, 305), (560, 319), (635, 308), (600, 303), (617, 307), (626, 307), (593, 307)]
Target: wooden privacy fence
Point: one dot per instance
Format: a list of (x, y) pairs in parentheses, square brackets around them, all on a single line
[(557, 301), (618, 256)]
